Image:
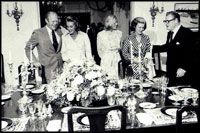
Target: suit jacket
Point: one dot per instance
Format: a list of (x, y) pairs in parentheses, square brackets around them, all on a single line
[(179, 55), (48, 57)]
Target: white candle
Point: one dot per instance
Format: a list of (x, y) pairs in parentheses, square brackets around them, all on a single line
[(25, 62), (131, 51), (139, 52), (10, 57), (31, 56)]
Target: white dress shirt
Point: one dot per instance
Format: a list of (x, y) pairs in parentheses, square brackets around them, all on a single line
[(58, 38)]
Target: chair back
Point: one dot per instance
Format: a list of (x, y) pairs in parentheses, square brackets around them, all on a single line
[(156, 54), (96, 116), (32, 75), (179, 113)]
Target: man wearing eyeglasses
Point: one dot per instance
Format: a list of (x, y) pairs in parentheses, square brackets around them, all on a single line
[(179, 50)]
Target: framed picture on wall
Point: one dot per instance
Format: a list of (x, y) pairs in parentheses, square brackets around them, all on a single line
[(189, 14)]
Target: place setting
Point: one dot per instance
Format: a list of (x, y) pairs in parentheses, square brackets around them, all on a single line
[(38, 90), (147, 105), (5, 123), (5, 97), (171, 111)]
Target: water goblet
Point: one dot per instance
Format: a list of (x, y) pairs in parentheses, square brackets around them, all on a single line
[(22, 107), (111, 100), (32, 109), (195, 96)]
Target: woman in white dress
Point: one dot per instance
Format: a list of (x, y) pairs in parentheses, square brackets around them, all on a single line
[(75, 43), (108, 45)]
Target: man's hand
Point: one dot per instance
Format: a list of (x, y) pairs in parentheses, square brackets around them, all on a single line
[(180, 72), (37, 64)]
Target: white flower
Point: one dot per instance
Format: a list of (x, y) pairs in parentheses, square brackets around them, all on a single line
[(50, 91), (70, 96), (91, 75), (78, 79), (111, 91), (121, 84), (100, 90), (98, 74)]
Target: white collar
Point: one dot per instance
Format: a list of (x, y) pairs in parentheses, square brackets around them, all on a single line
[(176, 30)]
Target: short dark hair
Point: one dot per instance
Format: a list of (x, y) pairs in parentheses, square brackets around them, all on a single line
[(137, 20), (75, 20), (174, 14)]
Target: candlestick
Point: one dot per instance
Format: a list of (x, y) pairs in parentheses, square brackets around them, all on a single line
[(7, 7)]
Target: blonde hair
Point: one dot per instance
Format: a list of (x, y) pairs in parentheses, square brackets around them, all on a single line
[(110, 21)]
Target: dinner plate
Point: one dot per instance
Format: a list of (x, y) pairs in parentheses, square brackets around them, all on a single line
[(175, 98), (146, 85), (189, 90), (5, 97), (38, 91), (171, 111), (2, 103), (29, 86), (5, 122), (147, 105), (65, 109), (83, 120)]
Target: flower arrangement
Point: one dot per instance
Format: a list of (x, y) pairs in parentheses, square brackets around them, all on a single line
[(83, 83)]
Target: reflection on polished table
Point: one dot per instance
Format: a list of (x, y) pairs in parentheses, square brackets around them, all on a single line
[(11, 110)]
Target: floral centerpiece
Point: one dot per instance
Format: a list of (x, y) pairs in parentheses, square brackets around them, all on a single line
[(84, 83)]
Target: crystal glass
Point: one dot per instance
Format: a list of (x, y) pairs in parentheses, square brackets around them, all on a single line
[(32, 109), (22, 107), (111, 100), (195, 97)]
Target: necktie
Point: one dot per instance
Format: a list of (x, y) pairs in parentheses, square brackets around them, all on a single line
[(170, 36), (55, 43)]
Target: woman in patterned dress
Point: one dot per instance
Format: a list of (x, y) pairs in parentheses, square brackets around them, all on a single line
[(108, 45), (135, 41)]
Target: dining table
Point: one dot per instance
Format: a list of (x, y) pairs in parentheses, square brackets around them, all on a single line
[(146, 113)]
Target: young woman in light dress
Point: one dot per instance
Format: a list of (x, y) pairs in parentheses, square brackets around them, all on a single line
[(108, 45), (76, 46)]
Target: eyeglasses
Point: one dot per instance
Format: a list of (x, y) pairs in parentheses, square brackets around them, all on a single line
[(167, 21)]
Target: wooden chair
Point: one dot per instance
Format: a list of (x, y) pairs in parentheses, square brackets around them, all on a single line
[(2, 69), (123, 65), (156, 51), (97, 116), (31, 77), (179, 113)]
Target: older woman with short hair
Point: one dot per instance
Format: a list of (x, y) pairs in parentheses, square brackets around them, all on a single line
[(137, 41), (108, 45)]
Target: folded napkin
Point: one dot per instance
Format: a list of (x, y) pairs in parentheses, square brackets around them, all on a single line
[(144, 118), (54, 125)]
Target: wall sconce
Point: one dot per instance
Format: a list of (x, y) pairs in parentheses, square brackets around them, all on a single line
[(15, 13), (154, 10)]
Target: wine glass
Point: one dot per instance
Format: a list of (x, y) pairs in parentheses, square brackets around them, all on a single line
[(195, 96), (111, 100), (22, 107), (32, 109)]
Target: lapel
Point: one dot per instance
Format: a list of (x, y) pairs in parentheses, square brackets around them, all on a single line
[(49, 43), (58, 31), (178, 34)]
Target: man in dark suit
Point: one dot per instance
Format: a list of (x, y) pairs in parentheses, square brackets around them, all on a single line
[(48, 43), (179, 50)]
